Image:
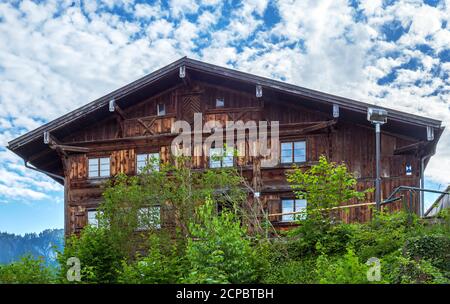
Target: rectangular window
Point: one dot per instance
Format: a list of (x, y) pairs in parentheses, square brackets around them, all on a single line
[(149, 158), (161, 109), (99, 167), (293, 152), (220, 158), (292, 205), (92, 218), (220, 102), (149, 217)]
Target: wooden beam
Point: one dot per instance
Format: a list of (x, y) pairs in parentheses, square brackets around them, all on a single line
[(319, 126), (72, 148), (147, 128), (409, 148), (120, 112)]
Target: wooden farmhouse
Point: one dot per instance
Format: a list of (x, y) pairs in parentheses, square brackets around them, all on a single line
[(119, 131)]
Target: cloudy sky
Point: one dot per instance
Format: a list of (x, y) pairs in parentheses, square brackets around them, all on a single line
[(58, 55)]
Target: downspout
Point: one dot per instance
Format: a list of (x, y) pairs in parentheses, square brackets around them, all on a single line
[(422, 182), (44, 172)]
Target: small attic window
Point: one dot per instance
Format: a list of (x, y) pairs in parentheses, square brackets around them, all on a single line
[(220, 102), (161, 109)]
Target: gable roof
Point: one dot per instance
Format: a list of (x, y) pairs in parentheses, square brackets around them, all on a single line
[(30, 143)]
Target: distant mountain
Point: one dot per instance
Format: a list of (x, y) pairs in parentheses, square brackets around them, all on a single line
[(13, 247)]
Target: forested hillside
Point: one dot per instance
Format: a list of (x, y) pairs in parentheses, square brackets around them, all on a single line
[(12, 246)]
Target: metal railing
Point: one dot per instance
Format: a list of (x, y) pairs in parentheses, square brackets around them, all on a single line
[(409, 201)]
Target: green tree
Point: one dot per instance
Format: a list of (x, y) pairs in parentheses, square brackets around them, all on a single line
[(99, 255), (27, 271), (324, 186), (219, 250)]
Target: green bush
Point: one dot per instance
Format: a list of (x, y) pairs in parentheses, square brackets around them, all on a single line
[(346, 269), (408, 271), (100, 257), (434, 248), (292, 272), (385, 234), (162, 265), (219, 250), (27, 271)]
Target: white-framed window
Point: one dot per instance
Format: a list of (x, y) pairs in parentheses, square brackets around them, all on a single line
[(293, 152), (161, 109), (147, 158), (92, 218), (220, 158), (149, 217), (99, 167), (220, 102), (292, 205)]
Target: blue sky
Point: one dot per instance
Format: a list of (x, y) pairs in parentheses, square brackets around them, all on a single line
[(58, 55)]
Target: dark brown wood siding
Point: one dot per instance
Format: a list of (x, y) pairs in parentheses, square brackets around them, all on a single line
[(141, 130)]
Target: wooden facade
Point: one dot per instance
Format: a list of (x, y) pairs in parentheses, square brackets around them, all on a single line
[(134, 127)]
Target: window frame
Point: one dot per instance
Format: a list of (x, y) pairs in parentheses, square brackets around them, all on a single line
[(99, 167), (96, 212), (292, 151), (158, 109), (221, 161), (222, 99), (138, 169), (294, 209)]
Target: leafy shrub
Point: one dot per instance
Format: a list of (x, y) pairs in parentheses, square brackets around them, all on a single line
[(333, 238), (292, 272), (385, 234), (408, 271), (219, 251), (346, 269), (100, 257), (27, 271), (160, 266), (433, 248)]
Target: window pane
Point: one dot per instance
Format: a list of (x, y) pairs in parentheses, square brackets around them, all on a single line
[(299, 145), (299, 151), (104, 173), (286, 152), (140, 165), (300, 205), (141, 157), (287, 206), (104, 161), (286, 146), (93, 167), (161, 109), (214, 163), (227, 161), (92, 218), (215, 157), (299, 156), (153, 158), (220, 102)]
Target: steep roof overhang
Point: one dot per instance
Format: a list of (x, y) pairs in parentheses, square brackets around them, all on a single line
[(31, 148)]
